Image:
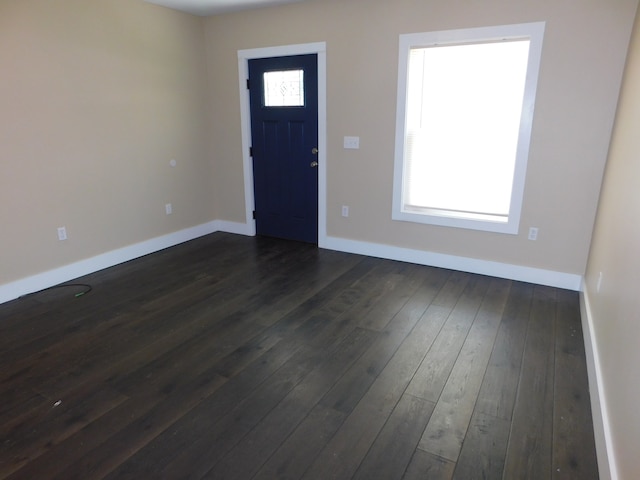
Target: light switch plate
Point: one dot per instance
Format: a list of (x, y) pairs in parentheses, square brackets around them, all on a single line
[(352, 143)]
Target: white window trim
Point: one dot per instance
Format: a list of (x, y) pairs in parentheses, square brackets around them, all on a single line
[(532, 31)]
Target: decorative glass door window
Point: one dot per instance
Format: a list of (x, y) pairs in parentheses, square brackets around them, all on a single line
[(284, 88)]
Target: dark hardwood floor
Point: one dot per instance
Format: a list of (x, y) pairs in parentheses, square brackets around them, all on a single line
[(231, 357)]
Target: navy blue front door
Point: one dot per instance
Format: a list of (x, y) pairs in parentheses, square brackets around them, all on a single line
[(283, 95)]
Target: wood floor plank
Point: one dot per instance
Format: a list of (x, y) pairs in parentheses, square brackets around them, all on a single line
[(352, 386), (53, 370), (110, 454), (330, 302), (391, 301), (425, 465), (32, 438), (483, 451), (245, 459), (451, 291), (448, 425), (362, 298), (574, 455), (299, 450), (500, 384), (530, 439), (234, 357), (63, 455), (391, 453), (434, 371), (221, 437), (128, 287), (137, 340), (191, 436), (343, 454)]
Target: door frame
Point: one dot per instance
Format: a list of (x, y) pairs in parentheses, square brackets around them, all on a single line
[(320, 49)]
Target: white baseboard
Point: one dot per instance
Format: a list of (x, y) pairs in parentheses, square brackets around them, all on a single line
[(601, 424), (245, 229), (43, 280), (47, 279), (550, 278)]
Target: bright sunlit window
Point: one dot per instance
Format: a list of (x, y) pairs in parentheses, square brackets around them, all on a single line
[(465, 109)]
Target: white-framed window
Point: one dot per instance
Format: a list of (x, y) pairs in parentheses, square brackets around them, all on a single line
[(463, 127)]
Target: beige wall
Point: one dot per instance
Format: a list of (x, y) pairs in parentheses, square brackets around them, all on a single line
[(96, 97), (582, 63), (615, 308)]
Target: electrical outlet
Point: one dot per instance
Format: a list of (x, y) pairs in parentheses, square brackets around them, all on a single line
[(168, 209), (345, 211), (533, 233), (62, 233)]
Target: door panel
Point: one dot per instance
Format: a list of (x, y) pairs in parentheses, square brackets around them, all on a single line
[(283, 142)]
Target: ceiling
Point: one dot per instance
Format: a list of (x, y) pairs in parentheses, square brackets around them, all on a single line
[(213, 7)]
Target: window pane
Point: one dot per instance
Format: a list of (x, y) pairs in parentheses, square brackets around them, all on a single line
[(284, 88), (464, 106)]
